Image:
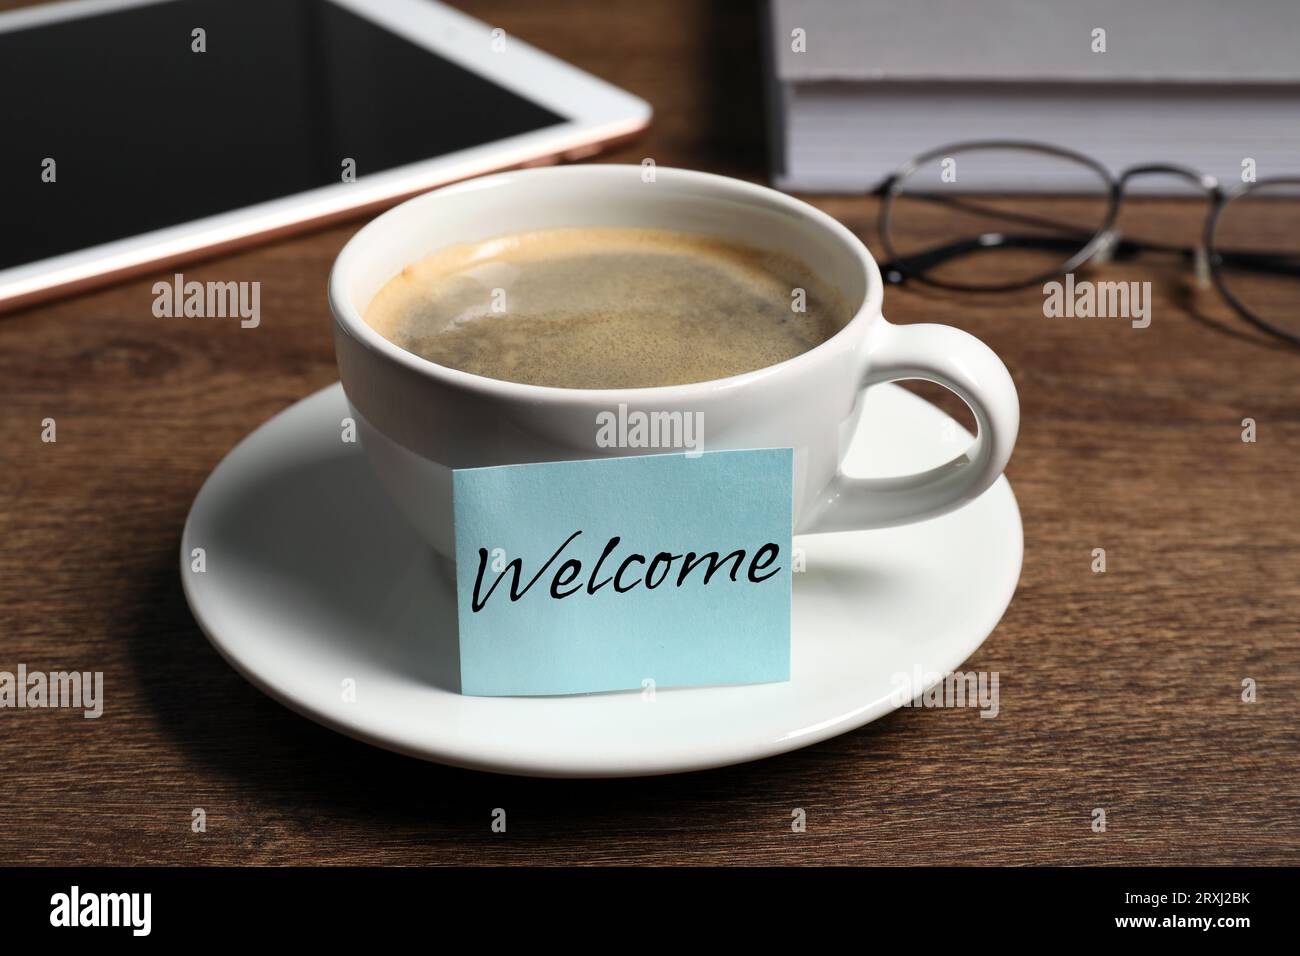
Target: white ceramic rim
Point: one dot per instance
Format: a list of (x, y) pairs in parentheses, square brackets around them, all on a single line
[(351, 321)]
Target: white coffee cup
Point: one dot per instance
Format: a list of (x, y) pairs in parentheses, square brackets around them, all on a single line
[(417, 421)]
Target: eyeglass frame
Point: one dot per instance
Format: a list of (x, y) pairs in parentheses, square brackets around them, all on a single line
[(1104, 239)]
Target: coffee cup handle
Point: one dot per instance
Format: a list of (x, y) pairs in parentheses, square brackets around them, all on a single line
[(962, 364)]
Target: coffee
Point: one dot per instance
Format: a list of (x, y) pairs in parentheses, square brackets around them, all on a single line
[(607, 308)]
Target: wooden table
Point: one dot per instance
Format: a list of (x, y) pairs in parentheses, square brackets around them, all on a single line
[(1119, 690)]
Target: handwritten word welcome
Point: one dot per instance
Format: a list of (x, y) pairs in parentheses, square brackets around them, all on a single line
[(652, 573)]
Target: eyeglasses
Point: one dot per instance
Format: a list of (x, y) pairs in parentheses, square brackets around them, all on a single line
[(994, 216)]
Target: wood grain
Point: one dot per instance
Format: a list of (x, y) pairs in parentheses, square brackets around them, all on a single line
[(1118, 690)]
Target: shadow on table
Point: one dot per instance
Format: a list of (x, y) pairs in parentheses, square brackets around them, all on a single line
[(1219, 318), (227, 725)]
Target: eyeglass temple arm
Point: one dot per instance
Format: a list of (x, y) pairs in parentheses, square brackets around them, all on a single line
[(920, 262), (1271, 263)]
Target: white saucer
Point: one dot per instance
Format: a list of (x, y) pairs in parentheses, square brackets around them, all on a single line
[(312, 579)]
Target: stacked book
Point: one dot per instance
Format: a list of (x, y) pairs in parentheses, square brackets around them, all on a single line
[(856, 89)]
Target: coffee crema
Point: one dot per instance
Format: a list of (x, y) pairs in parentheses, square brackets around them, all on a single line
[(607, 307)]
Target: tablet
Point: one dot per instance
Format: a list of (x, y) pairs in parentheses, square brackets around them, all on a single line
[(138, 133)]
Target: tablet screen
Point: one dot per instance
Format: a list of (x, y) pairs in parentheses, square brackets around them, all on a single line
[(145, 132)]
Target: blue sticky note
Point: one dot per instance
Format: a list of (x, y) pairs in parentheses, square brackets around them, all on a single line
[(582, 576)]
